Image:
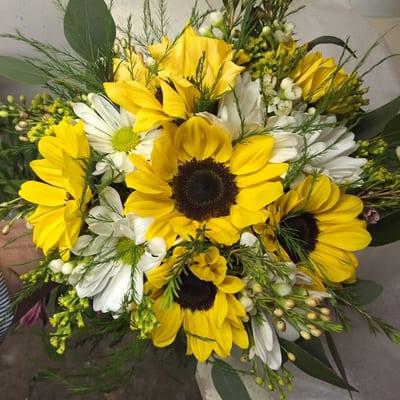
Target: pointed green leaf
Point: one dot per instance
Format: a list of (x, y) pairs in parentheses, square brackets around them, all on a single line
[(314, 347), (330, 40), (22, 71), (336, 357), (386, 230), (227, 382), (363, 292), (373, 123), (89, 28), (314, 367)]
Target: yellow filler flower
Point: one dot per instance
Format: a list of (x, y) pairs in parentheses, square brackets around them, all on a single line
[(319, 222), (63, 195), (193, 72), (197, 179), (205, 305)]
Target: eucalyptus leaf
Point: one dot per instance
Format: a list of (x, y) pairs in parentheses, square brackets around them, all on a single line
[(89, 28), (373, 123), (363, 292), (386, 230), (330, 40), (314, 367), (227, 382), (21, 70)]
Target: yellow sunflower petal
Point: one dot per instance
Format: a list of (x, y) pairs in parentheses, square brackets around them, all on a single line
[(222, 231), (347, 208), (148, 182), (241, 217), (352, 236), (251, 155), (146, 205), (231, 284), (258, 196), (267, 173), (240, 337), (336, 264), (223, 339), (198, 333), (170, 320)]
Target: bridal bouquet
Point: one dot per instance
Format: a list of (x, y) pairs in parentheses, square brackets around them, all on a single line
[(210, 187)]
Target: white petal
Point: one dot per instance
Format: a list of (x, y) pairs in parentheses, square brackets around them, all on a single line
[(111, 297), (140, 226), (110, 198), (106, 111), (248, 239), (290, 334), (139, 285), (90, 117), (153, 256)]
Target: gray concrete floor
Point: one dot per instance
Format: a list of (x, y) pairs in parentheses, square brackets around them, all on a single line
[(23, 354)]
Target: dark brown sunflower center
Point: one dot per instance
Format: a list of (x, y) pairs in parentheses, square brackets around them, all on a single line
[(204, 189), (299, 235), (195, 294)]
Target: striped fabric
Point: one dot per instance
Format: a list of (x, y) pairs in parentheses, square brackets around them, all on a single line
[(6, 310)]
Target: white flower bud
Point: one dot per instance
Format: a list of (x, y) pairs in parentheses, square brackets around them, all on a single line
[(312, 110), (280, 36), (56, 265), (398, 152), (287, 83), (289, 28), (247, 303), (29, 226), (266, 31), (216, 18), (67, 268), (282, 289), (3, 114), (206, 31)]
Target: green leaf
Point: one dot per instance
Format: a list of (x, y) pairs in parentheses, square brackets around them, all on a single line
[(391, 132), (20, 70), (314, 367), (227, 382), (89, 28), (330, 40), (373, 123), (363, 292), (314, 347), (336, 357), (386, 230)]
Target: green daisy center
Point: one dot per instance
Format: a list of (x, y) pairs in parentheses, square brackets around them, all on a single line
[(125, 139), (128, 252)]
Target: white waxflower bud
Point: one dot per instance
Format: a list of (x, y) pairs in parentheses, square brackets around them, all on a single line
[(280, 36), (247, 303), (266, 31), (312, 110), (287, 83), (282, 289), (206, 31), (216, 18), (3, 114), (56, 265), (398, 152), (289, 28), (29, 226), (67, 268)]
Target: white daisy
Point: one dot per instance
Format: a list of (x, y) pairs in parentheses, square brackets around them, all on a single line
[(243, 110), (110, 132), (328, 146), (121, 255)]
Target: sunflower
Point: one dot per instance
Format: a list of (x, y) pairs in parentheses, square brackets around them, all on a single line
[(63, 195), (193, 73), (205, 305), (197, 179), (318, 222)]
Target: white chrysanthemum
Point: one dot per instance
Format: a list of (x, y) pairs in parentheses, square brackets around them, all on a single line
[(110, 133), (244, 110), (327, 146), (120, 254)]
